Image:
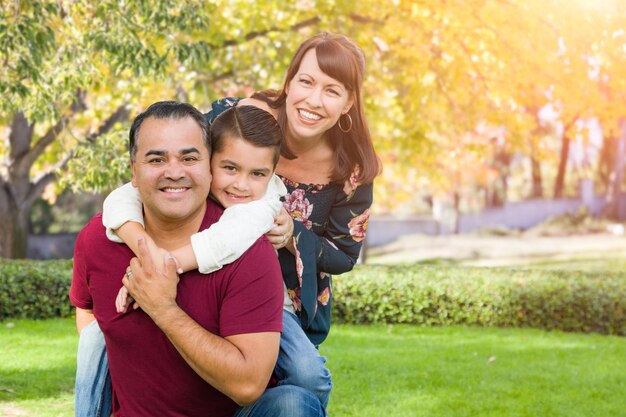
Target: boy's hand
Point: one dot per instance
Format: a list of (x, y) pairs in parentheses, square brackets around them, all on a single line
[(124, 300), (281, 235)]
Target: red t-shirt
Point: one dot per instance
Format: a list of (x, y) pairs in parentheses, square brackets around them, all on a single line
[(148, 375)]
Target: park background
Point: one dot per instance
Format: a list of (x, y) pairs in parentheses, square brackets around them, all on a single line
[(501, 125)]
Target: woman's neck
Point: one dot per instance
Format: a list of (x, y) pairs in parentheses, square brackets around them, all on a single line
[(306, 146), (313, 163)]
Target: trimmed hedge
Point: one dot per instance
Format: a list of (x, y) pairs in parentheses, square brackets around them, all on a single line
[(423, 295), (35, 289), (426, 295)]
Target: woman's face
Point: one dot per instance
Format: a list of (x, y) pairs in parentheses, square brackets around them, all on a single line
[(314, 100)]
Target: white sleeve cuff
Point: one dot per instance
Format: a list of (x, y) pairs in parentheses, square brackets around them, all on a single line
[(121, 205)]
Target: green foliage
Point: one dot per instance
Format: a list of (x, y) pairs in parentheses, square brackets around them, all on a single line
[(68, 214), (424, 295), (35, 289), (436, 72), (569, 301), (97, 166)]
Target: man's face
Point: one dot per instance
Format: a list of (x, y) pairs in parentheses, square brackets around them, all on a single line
[(171, 169)]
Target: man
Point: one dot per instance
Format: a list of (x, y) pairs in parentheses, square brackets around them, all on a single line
[(201, 346)]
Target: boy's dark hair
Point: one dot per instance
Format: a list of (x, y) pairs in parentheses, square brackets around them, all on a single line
[(167, 110), (250, 123)]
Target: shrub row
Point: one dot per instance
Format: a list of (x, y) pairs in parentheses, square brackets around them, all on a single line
[(426, 295), (35, 289), (423, 295)]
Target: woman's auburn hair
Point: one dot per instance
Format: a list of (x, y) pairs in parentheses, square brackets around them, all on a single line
[(341, 59)]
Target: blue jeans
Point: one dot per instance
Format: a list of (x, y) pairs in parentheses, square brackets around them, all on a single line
[(284, 401), (299, 362), (93, 383)]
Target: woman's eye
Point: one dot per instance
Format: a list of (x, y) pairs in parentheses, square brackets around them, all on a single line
[(305, 81), (334, 92)]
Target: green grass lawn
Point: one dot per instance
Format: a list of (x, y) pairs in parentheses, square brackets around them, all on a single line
[(379, 371), (37, 366)]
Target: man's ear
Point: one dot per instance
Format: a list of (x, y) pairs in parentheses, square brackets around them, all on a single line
[(134, 175)]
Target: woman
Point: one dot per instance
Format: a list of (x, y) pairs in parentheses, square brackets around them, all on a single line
[(329, 183), (328, 165)]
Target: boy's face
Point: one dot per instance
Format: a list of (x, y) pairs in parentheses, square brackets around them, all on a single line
[(171, 169), (241, 172)]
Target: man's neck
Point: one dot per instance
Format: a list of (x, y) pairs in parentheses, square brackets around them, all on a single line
[(172, 234)]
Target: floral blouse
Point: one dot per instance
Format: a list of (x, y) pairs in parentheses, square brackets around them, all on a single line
[(330, 221)]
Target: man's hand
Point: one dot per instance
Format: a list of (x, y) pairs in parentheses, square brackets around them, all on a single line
[(154, 291), (159, 256)]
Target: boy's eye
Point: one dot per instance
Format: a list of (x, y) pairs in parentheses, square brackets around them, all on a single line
[(229, 167), (258, 174)]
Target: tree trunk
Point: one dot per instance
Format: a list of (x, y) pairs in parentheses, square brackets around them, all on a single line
[(559, 184), (606, 162), (13, 226), (18, 190), (536, 190), (612, 208)]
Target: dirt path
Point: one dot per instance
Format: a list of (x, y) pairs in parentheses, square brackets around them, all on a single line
[(498, 250), (11, 411)]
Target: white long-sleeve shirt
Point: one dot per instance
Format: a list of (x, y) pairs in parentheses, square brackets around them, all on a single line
[(222, 243)]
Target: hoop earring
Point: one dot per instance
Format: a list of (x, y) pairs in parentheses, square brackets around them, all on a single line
[(341, 127)]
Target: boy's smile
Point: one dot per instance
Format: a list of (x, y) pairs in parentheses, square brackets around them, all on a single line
[(241, 171)]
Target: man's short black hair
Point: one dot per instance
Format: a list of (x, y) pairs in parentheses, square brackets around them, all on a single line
[(167, 110)]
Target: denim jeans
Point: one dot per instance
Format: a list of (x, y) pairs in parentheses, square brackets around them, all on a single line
[(299, 362), (284, 401), (93, 383)]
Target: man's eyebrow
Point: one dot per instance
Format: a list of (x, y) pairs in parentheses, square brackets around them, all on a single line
[(188, 150), (158, 152), (161, 152)]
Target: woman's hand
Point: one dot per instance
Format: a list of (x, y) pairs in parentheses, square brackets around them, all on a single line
[(281, 235)]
